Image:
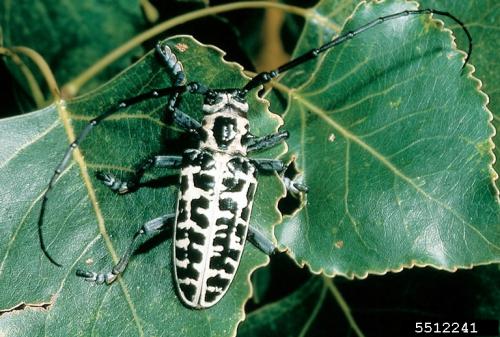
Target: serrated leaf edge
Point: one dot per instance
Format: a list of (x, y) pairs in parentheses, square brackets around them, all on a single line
[(280, 123), (470, 69), (65, 115)]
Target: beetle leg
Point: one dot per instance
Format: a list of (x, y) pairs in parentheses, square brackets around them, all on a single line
[(275, 165), (261, 242), (175, 66), (268, 165), (122, 187), (186, 122), (294, 187), (150, 227), (171, 62), (266, 142)]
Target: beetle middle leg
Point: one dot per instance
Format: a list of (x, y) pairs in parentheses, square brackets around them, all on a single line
[(122, 187), (266, 142), (274, 165), (150, 227)]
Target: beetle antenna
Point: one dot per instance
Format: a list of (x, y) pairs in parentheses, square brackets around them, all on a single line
[(265, 77), (191, 87)]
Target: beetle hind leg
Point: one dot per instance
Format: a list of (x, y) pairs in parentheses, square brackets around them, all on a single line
[(150, 227), (261, 242)]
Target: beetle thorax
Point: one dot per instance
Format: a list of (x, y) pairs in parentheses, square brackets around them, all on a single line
[(224, 131)]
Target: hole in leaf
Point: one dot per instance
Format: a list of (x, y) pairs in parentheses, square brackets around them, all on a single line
[(291, 202)]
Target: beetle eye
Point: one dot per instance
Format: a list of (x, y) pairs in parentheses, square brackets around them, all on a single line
[(239, 99), (210, 97)]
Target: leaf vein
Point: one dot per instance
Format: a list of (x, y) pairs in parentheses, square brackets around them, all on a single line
[(32, 141), (385, 162), (64, 115)]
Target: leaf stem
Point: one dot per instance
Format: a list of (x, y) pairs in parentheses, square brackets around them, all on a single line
[(314, 313), (150, 11), (36, 92), (343, 306), (43, 67), (71, 88)]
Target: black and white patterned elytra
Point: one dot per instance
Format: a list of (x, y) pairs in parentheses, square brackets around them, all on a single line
[(217, 188)]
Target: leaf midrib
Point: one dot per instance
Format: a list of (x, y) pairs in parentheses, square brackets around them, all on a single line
[(77, 156), (295, 95), (385, 162)]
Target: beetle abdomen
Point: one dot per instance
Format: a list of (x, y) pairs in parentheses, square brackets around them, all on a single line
[(215, 201)]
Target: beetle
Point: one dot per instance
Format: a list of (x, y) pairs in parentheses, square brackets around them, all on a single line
[(217, 178)]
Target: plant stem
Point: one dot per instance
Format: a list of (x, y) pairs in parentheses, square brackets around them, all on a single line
[(72, 87), (343, 306), (44, 68)]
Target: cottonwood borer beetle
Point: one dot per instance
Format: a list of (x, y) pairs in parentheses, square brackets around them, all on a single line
[(218, 180)]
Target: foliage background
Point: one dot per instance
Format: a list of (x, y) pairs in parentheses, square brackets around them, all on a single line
[(287, 301)]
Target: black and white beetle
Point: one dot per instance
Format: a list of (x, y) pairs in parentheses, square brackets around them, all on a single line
[(217, 180)]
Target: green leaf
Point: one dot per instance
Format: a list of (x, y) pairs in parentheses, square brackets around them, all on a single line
[(408, 179), (481, 18), (71, 35), (260, 283), (82, 231), (290, 315)]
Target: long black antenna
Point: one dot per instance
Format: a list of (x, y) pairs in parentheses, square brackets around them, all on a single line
[(265, 77), (94, 122)]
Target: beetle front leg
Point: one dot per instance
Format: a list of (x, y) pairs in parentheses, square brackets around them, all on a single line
[(186, 122), (122, 187), (150, 227), (275, 165)]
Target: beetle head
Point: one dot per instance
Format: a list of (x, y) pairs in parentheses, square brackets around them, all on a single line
[(225, 100)]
